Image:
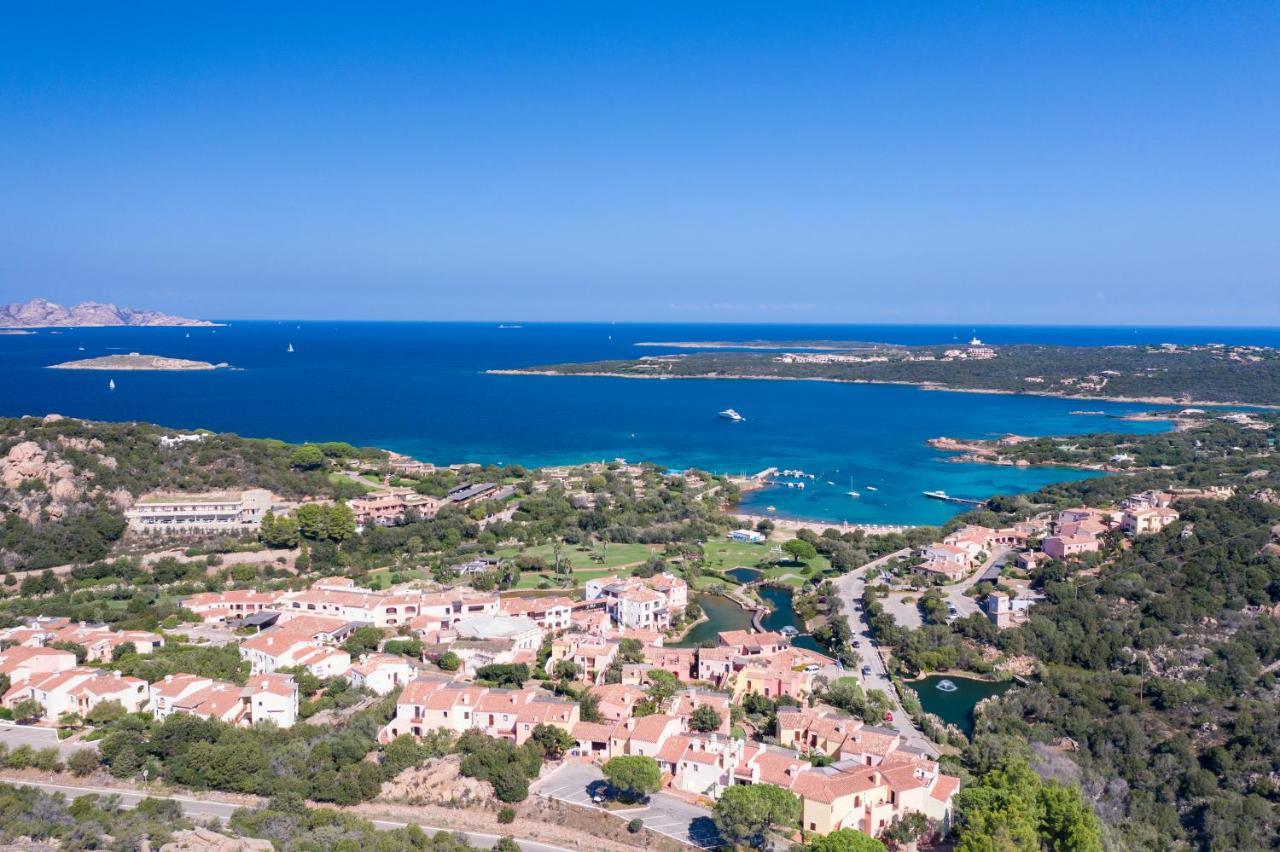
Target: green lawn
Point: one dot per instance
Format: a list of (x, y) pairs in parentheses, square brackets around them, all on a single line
[(612, 557), (731, 554), (580, 560), (726, 554)]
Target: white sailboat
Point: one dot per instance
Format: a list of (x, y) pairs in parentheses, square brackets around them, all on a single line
[(111, 384), (290, 349), (851, 492)]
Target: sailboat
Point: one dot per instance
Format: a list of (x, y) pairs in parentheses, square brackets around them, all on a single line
[(851, 492), (290, 349), (111, 384)]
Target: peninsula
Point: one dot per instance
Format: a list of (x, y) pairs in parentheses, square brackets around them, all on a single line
[(137, 361), (1165, 374), (41, 313)]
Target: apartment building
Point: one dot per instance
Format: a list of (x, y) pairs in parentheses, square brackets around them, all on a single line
[(231, 512)]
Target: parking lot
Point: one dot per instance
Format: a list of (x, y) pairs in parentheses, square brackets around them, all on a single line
[(13, 736), (577, 783)]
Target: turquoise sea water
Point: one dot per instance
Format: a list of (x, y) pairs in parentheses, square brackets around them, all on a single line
[(421, 389)]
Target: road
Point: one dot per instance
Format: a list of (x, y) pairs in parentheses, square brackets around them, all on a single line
[(576, 783), (207, 809), (13, 736), (851, 586), (908, 614)]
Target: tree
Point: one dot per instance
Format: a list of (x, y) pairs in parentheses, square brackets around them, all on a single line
[(123, 650), (589, 707), (105, 712), (1067, 823), (745, 812), (27, 710), (307, 457), (705, 719), (800, 550), (846, 840), (506, 844), (566, 670), (633, 776), (511, 675), (552, 741), (362, 640), (449, 661)]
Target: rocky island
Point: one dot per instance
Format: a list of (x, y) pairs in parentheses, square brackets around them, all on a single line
[(137, 361), (41, 313)]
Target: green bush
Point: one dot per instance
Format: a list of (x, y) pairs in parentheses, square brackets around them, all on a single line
[(507, 815)]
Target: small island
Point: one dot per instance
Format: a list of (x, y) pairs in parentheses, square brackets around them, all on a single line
[(137, 361)]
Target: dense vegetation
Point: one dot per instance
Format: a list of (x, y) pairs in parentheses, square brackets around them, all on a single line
[(1210, 374)]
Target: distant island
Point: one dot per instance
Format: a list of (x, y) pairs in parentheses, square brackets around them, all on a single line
[(41, 313), (137, 361), (1165, 374)]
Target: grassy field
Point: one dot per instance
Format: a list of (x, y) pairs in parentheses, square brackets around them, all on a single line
[(724, 555), (608, 560), (581, 559)]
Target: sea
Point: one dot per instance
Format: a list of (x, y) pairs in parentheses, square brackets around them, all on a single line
[(422, 389)]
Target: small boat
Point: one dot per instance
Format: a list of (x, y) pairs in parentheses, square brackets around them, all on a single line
[(946, 686), (111, 384), (851, 492), (510, 326), (829, 482), (81, 348), (730, 414), (188, 334), (871, 488), (937, 495), (770, 508), (290, 349)]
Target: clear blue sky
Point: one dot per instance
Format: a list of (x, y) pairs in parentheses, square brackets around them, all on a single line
[(1104, 162)]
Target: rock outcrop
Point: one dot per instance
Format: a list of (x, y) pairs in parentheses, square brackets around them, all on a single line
[(41, 313)]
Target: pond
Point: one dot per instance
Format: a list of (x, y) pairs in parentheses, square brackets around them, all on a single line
[(783, 614), (722, 614), (954, 703), (744, 575)]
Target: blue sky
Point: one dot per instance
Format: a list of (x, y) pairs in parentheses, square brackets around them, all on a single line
[(1104, 162)]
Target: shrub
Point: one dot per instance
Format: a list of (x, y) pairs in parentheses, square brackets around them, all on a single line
[(635, 825), (507, 815), (82, 762)]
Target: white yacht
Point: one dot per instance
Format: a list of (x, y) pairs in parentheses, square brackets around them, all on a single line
[(730, 414)]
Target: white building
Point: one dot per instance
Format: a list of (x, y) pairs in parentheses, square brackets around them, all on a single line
[(200, 513), (381, 673)]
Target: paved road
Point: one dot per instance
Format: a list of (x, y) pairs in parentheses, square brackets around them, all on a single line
[(206, 809), (14, 736), (851, 586), (576, 783)]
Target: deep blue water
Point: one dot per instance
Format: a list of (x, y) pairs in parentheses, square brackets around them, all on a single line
[(420, 388)]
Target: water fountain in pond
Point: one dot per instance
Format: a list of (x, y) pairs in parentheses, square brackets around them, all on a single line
[(946, 686)]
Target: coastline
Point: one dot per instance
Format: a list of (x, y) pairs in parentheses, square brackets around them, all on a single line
[(926, 386)]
